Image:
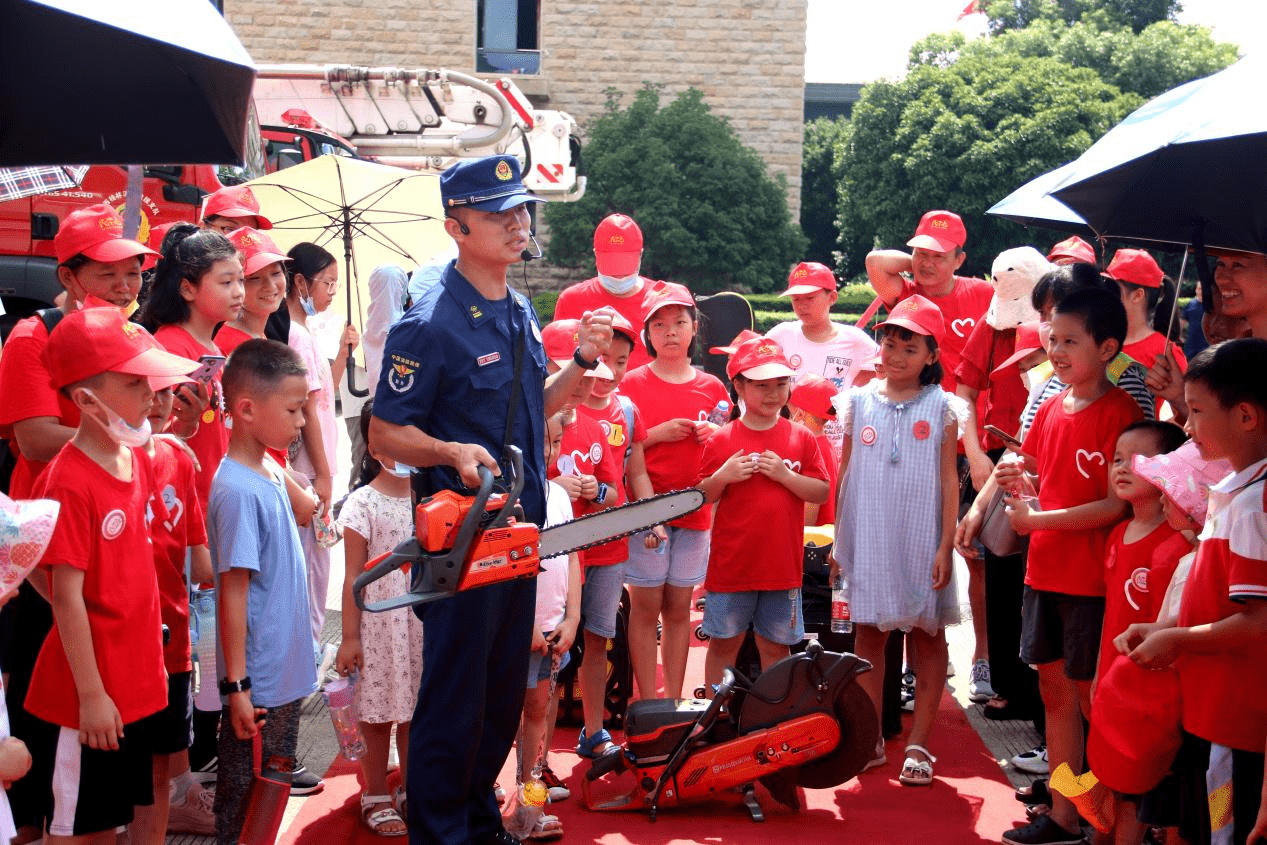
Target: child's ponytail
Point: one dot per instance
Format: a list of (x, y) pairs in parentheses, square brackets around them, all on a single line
[(1162, 307), (369, 467)]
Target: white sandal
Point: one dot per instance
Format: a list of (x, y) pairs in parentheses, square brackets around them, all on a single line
[(375, 820), (917, 772), (548, 827)]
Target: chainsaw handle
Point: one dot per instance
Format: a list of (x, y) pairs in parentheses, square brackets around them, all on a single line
[(515, 457), (403, 555)]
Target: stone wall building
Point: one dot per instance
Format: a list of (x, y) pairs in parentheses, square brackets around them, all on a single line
[(747, 56)]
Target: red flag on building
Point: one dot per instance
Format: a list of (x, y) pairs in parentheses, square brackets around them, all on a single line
[(973, 7)]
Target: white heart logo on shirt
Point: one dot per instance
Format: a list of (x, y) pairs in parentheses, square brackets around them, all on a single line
[(1088, 458), (962, 327), (795, 466)]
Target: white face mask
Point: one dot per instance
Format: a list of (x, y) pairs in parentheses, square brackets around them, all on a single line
[(618, 285), (397, 469), (118, 428)]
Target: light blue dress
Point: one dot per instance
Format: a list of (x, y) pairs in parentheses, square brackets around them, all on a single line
[(888, 522)]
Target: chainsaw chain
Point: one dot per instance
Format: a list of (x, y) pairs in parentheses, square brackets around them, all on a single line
[(629, 533)]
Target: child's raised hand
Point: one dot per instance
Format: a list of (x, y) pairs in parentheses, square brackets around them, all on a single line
[(738, 467), (942, 568), (671, 431), (100, 725), (15, 760), (771, 466), (351, 656), (1007, 474), (570, 483), (1020, 515), (704, 430), (589, 486)]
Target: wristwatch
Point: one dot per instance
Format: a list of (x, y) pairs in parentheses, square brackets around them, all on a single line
[(228, 687), (582, 363), (601, 495)]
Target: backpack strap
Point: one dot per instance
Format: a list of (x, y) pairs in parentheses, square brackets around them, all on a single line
[(627, 407)]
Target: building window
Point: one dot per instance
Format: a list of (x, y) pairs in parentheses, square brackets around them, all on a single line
[(507, 36)]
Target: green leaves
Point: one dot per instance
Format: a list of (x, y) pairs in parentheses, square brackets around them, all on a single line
[(711, 215)]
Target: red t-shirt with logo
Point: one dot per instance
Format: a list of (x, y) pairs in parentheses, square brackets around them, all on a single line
[(1074, 453), (1002, 397), (614, 426), (583, 451), (1225, 694), (590, 294), (185, 525), (101, 529), (759, 524), (1147, 350), (1136, 576), (675, 466), (229, 338), (962, 309), (26, 393), (211, 440)]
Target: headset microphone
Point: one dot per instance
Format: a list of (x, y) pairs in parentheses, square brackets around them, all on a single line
[(528, 254)]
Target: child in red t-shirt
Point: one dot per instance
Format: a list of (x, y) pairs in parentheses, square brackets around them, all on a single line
[(184, 529), (1071, 443), (99, 677), (676, 401), (621, 423), (762, 463), (264, 287), (1142, 285), (1219, 641), (197, 285), (811, 406)]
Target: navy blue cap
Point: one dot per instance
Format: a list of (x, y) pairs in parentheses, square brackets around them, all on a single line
[(485, 184)]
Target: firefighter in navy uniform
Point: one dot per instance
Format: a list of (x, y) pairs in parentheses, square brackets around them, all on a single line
[(463, 376)]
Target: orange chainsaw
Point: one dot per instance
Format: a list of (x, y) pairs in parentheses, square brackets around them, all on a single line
[(466, 542)]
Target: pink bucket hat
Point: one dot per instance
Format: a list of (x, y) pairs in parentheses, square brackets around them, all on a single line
[(1184, 476)]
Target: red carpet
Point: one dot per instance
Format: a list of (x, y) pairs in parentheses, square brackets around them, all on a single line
[(970, 802)]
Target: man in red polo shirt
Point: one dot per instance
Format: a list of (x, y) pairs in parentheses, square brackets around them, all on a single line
[(618, 285), (936, 253)]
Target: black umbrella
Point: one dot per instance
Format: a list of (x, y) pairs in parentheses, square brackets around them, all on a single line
[(98, 82), (1188, 165)]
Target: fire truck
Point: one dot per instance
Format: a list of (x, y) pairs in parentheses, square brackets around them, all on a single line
[(416, 118)]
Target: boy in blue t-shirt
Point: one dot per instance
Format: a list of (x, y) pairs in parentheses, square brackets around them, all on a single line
[(265, 644)]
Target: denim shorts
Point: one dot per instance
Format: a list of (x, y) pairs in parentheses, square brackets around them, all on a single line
[(680, 562), (773, 614), (539, 665), (600, 598)]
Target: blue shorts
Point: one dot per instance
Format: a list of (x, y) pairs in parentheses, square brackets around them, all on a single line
[(681, 562), (774, 614), (600, 598), (539, 666)]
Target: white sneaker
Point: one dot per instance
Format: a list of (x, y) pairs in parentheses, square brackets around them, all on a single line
[(1032, 762), (979, 688)]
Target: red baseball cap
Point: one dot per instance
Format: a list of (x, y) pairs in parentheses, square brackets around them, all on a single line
[(666, 293), (621, 324), (95, 232), (236, 202), (617, 245), (813, 394), (919, 315), (757, 359), (746, 334), (1027, 342), (809, 277), (91, 341), (561, 339), (258, 250), (1135, 267), (1074, 248), (941, 231)]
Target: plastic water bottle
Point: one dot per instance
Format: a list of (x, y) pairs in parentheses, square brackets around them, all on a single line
[(527, 807), (721, 414), (340, 696), (202, 641), (840, 621)]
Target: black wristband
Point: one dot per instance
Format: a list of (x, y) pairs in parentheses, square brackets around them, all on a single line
[(228, 687), (582, 363)]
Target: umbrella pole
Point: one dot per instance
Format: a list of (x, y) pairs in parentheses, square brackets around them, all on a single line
[(350, 282), (1174, 306)]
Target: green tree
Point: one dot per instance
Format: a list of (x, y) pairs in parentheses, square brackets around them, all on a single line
[(961, 137), (1133, 14), (826, 140), (711, 215)]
